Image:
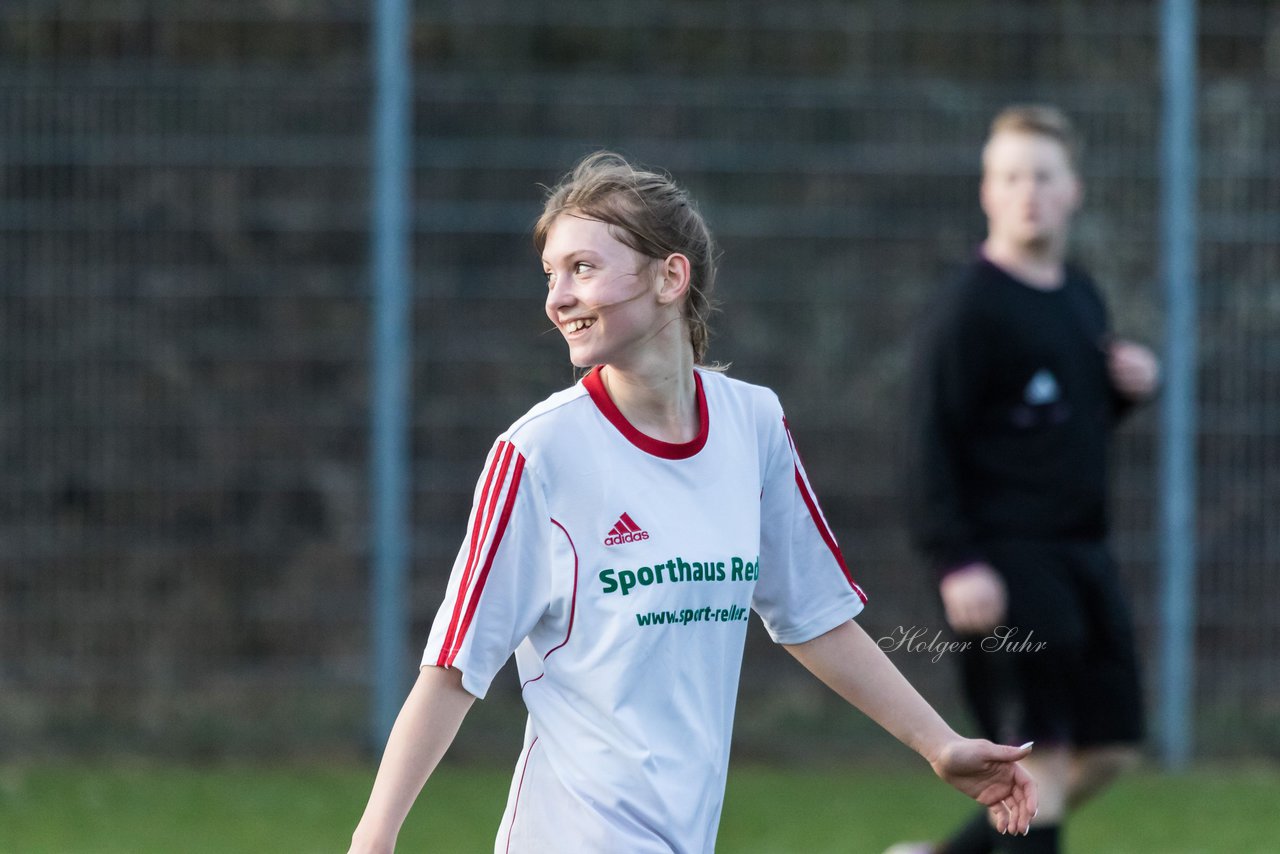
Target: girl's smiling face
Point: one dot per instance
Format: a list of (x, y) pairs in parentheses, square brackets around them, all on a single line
[(601, 294)]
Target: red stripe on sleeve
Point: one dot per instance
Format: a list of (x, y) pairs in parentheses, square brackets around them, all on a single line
[(474, 599), (811, 502), (479, 530)]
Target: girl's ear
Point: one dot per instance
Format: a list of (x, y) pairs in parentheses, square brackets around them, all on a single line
[(675, 271)]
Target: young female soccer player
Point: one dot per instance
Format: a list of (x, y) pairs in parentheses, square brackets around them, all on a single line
[(621, 532)]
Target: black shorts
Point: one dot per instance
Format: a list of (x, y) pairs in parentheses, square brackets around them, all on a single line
[(1064, 670)]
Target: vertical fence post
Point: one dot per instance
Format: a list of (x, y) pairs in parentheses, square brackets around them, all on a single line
[(1178, 198), (392, 315)]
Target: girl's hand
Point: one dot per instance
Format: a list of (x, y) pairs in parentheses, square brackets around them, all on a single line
[(990, 774)]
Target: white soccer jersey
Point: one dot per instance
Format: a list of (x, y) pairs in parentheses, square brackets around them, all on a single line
[(620, 570)]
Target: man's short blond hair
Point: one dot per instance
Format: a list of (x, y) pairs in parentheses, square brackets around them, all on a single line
[(1043, 120)]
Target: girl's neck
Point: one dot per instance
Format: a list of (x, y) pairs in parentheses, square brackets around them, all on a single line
[(659, 400)]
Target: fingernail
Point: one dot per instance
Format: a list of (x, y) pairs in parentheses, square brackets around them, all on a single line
[(1025, 746)]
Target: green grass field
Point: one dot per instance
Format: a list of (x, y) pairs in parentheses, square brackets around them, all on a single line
[(147, 807)]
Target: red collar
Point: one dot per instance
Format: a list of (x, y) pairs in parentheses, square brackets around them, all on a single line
[(667, 450)]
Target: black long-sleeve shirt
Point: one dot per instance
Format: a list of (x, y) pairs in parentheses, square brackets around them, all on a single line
[(1012, 412)]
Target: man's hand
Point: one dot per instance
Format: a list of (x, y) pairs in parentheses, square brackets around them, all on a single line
[(974, 598), (990, 774), (1134, 370)]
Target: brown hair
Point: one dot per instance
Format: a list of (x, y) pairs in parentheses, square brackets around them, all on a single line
[(1040, 119), (650, 213)]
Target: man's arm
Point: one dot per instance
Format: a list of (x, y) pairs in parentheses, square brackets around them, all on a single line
[(423, 730), (851, 664), (947, 381), (945, 384)]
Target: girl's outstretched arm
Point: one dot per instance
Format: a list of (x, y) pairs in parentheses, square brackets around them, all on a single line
[(853, 666), (423, 730)]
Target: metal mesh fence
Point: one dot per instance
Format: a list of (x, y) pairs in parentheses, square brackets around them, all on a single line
[(184, 370), (183, 209), (1238, 704)]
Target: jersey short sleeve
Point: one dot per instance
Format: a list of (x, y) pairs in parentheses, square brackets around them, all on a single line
[(805, 587), (500, 584)]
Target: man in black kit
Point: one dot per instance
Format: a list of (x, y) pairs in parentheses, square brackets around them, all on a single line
[(1019, 389)]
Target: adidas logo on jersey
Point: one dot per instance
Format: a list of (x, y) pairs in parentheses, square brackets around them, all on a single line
[(625, 531)]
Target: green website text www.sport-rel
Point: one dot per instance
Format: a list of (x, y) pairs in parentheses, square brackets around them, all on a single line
[(685, 616)]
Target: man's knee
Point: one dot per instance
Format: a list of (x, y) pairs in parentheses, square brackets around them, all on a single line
[(1051, 768), (1108, 762), (1095, 768)]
